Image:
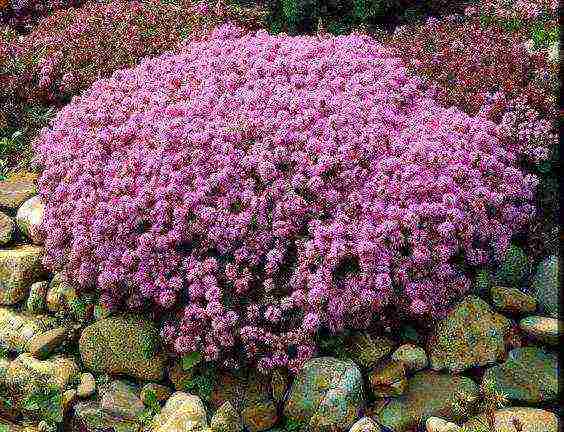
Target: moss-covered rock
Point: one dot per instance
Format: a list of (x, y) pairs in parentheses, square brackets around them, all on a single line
[(529, 375), (327, 394), (531, 420), (429, 394), (543, 329), (20, 267), (546, 286), (90, 417), (18, 329), (470, 335), (36, 302), (226, 419), (512, 300), (123, 345)]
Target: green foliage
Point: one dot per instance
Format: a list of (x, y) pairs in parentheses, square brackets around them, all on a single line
[(483, 281), (202, 382), (46, 403), (290, 425), (542, 36), (190, 360), (152, 408), (514, 266)]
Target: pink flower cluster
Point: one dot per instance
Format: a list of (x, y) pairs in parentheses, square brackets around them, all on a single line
[(262, 188)]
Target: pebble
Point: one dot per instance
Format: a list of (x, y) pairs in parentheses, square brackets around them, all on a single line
[(544, 329), (87, 385)]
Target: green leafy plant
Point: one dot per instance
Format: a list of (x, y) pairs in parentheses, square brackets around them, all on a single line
[(488, 401), (202, 382), (46, 403), (190, 360), (152, 408)]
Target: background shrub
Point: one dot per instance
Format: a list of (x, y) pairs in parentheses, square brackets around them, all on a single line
[(263, 189)]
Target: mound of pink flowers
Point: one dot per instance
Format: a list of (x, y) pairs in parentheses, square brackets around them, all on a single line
[(259, 189)]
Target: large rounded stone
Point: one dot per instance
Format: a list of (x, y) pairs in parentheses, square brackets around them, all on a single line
[(429, 394), (531, 420), (13, 193), (20, 267), (123, 345), (388, 380), (29, 218), (365, 424), (470, 335), (181, 413), (544, 329), (45, 344), (367, 350), (530, 375), (546, 288), (60, 294), (7, 229), (327, 394)]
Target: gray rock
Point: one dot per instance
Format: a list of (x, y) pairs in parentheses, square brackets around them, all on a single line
[(327, 394), (545, 286), (365, 424), (470, 335), (18, 329), (530, 375), (429, 394)]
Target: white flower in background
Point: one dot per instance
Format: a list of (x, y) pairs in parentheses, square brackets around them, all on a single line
[(554, 52)]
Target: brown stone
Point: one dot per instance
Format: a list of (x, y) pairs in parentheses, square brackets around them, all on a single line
[(13, 193)]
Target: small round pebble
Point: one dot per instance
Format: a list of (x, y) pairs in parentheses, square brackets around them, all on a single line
[(87, 385), (413, 357), (436, 424)]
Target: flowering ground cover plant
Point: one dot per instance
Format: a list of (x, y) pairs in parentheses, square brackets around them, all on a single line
[(498, 61), (262, 189), (23, 14)]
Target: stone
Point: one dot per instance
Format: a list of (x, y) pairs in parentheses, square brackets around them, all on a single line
[(544, 329), (123, 345), (436, 424), (367, 350), (365, 424), (470, 335), (7, 229), (11, 427), (545, 286), (36, 302), (327, 394), (513, 268), (161, 392), (18, 329), (43, 345), (68, 399), (90, 417), (429, 394), (87, 386), (388, 380), (531, 420), (226, 419), (413, 357), (20, 267), (120, 399), (13, 193), (250, 394), (182, 413), (512, 300), (529, 375), (26, 374), (29, 218), (260, 416), (60, 294)]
